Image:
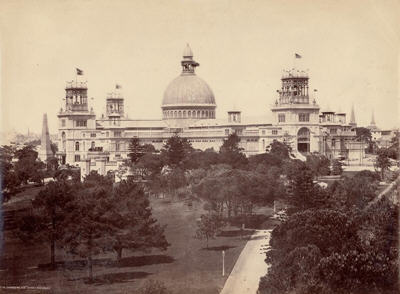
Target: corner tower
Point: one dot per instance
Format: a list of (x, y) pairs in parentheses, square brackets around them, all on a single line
[(295, 113), (73, 120)]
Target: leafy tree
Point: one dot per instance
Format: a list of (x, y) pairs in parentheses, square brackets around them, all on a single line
[(319, 164), (137, 229), (46, 223), (136, 150), (337, 167), (363, 134), (208, 227), (279, 149), (382, 161), (28, 167), (8, 177), (175, 150), (231, 153), (356, 191)]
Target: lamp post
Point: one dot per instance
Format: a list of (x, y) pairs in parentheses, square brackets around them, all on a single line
[(223, 263)]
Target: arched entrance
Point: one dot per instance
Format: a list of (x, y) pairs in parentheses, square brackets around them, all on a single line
[(303, 140)]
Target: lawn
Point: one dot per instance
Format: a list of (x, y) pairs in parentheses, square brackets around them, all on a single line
[(186, 267)]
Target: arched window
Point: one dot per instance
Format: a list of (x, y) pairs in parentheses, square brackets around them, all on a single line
[(194, 113), (180, 114), (92, 145), (198, 113), (184, 114), (175, 114), (189, 113), (202, 113), (76, 146)]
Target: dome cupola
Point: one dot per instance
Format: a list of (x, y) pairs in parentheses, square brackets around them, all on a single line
[(188, 96)]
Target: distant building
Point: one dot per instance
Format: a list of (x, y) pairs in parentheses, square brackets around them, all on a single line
[(188, 108)]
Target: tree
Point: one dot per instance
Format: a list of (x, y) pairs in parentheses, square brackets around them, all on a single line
[(382, 161), (319, 164), (208, 227), (28, 167), (46, 223), (137, 229), (175, 150), (337, 167), (231, 153), (9, 180), (90, 227), (136, 150), (279, 149)]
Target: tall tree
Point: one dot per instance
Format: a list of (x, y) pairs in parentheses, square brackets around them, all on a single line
[(382, 161), (175, 150), (137, 229), (91, 225), (46, 223), (231, 153), (136, 150), (208, 227)]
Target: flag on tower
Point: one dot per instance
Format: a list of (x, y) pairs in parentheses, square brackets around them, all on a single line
[(297, 55), (79, 72), (117, 86)]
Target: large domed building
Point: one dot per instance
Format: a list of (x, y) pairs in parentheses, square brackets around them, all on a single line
[(188, 108), (188, 97)]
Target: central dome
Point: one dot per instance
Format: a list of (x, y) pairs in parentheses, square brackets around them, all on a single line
[(188, 89)]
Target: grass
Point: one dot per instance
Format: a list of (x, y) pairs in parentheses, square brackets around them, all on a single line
[(186, 267)]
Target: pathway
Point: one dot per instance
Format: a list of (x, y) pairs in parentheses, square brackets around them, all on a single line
[(250, 266)]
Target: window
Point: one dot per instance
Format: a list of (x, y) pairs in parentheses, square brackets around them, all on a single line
[(227, 132), (117, 134), (93, 135), (281, 117), (304, 117), (81, 123), (274, 132), (263, 132), (116, 146), (77, 158), (333, 131), (76, 146), (63, 122)]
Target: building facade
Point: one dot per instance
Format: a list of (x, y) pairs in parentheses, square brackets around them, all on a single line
[(188, 108)]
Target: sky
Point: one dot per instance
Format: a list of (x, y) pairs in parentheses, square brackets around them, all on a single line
[(350, 49)]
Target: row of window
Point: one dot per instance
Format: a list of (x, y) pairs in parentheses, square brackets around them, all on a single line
[(188, 114), (303, 117)]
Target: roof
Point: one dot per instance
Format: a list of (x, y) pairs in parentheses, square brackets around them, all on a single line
[(128, 123)]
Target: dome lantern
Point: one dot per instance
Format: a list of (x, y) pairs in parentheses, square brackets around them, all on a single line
[(188, 64)]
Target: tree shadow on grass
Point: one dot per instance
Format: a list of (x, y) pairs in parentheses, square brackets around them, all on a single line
[(116, 278), (73, 264), (142, 260), (235, 233), (218, 248)]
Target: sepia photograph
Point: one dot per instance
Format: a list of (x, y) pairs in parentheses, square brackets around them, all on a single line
[(199, 146)]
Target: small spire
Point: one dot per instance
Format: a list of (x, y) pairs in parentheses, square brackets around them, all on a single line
[(352, 116), (372, 119), (187, 52)]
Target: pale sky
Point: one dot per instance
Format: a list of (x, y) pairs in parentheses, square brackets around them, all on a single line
[(351, 49)]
